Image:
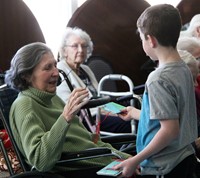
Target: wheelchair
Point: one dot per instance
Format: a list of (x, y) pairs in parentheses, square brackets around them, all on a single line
[(7, 96)]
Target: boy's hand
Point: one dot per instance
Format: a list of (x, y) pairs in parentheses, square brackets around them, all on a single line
[(129, 113), (126, 114), (128, 167)]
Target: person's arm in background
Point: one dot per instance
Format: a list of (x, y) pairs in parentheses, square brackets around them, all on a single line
[(63, 91), (91, 75)]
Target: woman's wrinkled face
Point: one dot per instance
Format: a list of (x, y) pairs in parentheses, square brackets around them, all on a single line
[(75, 51), (45, 74)]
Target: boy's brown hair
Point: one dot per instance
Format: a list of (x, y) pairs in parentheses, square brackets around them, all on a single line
[(162, 21)]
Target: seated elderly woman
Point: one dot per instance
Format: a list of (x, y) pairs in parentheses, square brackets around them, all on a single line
[(192, 45), (42, 124), (76, 46), (192, 63), (193, 29)]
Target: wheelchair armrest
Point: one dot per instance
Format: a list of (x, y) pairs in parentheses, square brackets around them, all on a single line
[(125, 143), (92, 103), (68, 157)]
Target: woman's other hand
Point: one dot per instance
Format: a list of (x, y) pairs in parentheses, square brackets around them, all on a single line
[(77, 99)]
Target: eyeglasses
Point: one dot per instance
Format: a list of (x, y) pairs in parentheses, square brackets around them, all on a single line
[(76, 46)]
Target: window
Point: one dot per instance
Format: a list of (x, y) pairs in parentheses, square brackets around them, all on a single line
[(53, 16), (172, 2)]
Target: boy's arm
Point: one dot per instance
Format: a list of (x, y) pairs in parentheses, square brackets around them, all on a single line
[(168, 131)]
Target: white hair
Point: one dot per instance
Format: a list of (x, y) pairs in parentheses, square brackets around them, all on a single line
[(194, 24), (69, 31), (190, 44)]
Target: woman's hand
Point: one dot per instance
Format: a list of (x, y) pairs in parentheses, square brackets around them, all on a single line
[(77, 99)]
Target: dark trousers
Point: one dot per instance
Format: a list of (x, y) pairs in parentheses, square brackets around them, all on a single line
[(185, 169), (114, 124)]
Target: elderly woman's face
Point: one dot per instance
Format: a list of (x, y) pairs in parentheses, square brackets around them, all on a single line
[(75, 51), (45, 74)]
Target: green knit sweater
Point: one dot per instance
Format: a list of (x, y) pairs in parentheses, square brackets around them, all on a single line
[(42, 133)]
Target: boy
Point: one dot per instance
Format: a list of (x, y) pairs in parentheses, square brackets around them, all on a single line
[(167, 120)]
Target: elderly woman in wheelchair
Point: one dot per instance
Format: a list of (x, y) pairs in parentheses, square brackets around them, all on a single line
[(44, 126)]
